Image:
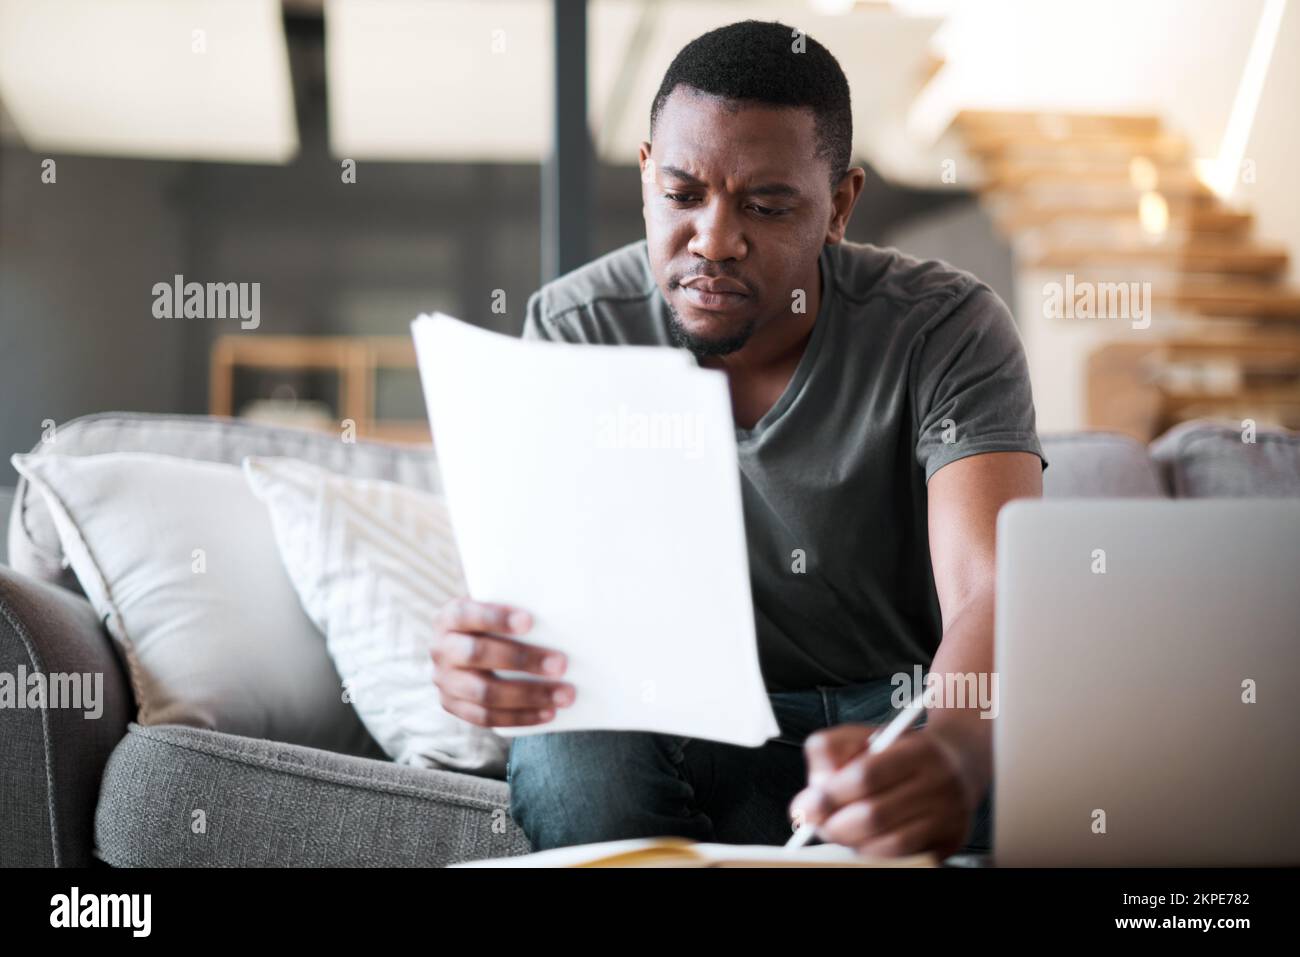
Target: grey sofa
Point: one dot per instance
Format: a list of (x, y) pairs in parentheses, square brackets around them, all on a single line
[(75, 792)]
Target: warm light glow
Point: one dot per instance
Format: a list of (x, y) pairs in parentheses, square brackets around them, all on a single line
[(1153, 213), (1221, 173), (1142, 173)]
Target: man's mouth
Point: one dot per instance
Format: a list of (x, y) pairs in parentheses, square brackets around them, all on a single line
[(714, 293)]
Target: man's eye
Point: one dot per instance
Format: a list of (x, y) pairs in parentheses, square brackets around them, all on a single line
[(767, 211), (679, 197)]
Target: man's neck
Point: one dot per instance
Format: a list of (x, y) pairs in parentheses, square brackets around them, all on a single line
[(758, 374)]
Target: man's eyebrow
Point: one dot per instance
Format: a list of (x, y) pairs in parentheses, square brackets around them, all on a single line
[(676, 172), (764, 189), (774, 189)]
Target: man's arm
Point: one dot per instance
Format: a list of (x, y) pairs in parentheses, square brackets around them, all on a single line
[(964, 499), (921, 792)]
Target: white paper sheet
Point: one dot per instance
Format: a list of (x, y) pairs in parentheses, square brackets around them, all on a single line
[(598, 488)]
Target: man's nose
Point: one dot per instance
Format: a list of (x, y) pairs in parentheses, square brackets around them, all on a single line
[(718, 233)]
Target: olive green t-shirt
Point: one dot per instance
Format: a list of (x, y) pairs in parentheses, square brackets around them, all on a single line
[(910, 365)]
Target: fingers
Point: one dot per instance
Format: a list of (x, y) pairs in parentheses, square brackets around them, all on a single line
[(859, 822), (465, 614), (827, 751), (483, 717), (476, 634), (458, 649), (476, 639), (861, 776), (915, 837), (489, 691), (870, 774), (906, 799)]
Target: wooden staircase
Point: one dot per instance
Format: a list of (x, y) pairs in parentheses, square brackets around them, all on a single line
[(1106, 199)]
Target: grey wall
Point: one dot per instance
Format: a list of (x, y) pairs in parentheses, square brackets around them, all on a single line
[(77, 260)]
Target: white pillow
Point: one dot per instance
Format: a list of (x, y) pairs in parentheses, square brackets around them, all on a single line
[(178, 558), (373, 561)]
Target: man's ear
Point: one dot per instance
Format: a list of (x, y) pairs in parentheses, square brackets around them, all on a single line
[(647, 171), (843, 199), (646, 163)]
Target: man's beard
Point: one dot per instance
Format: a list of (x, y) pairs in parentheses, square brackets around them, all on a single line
[(683, 338)]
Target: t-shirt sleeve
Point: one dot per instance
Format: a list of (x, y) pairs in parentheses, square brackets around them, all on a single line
[(537, 325), (971, 386)]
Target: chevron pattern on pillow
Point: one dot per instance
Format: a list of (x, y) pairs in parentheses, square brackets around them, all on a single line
[(372, 562)]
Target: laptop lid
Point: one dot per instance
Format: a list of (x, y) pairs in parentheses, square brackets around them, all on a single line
[(1148, 656)]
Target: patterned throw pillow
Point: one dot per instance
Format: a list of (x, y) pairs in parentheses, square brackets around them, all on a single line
[(372, 562)]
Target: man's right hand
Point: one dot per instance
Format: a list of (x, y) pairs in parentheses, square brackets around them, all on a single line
[(474, 641)]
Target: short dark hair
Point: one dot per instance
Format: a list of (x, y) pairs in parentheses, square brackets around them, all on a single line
[(774, 64)]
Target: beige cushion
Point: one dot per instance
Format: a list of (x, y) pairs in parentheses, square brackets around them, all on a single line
[(179, 561)]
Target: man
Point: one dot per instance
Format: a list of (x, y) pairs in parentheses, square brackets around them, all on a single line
[(883, 416)]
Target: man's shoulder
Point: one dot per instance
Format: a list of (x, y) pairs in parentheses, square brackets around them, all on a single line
[(864, 272), (910, 299), (619, 277)]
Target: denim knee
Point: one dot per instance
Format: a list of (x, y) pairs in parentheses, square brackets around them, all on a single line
[(582, 787)]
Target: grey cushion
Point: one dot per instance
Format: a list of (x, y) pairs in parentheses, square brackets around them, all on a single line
[(34, 544), (1204, 459), (1099, 465), (280, 805)]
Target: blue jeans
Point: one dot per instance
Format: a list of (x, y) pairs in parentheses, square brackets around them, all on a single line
[(581, 787)]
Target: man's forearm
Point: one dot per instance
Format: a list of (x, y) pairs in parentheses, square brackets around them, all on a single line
[(967, 649)]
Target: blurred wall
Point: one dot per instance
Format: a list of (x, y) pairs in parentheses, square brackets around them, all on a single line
[(77, 260)]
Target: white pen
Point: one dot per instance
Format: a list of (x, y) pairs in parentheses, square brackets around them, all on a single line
[(880, 739)]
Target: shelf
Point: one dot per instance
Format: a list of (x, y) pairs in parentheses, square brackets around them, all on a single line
[(357, 360)]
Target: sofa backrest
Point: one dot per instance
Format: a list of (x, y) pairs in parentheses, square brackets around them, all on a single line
[(1195, 459), (34, 544), (1224, 460), (1099, 465)]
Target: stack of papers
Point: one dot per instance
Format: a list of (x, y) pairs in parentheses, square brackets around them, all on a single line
[(597, 487)]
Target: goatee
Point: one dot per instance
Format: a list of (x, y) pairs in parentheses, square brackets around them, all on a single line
[(702, 348)]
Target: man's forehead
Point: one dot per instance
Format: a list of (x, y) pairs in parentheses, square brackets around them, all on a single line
[(766, 178), (702, 137)]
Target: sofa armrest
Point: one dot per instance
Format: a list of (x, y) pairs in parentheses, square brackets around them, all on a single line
[(64, 705)]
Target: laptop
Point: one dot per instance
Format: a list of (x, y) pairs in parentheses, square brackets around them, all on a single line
[(1148, 658)]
